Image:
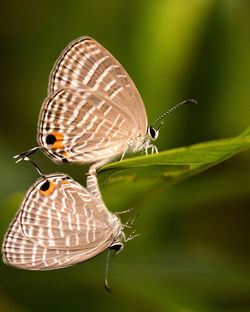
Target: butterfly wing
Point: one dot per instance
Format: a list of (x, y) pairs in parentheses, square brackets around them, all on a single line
[(86, 64), (24, 253), (59, 224), (82, 126)]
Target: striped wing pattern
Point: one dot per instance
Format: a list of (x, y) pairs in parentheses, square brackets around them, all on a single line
[(91, 92), (91, 127), (87, 64), (58, 226)]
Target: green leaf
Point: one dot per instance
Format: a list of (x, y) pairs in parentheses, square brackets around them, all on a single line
[(173, 165)]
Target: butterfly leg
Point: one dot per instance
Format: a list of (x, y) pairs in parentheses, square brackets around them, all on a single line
[(131, 236), (124, 152), (145, 147), (124, 211), (154, 149), (131, 221)]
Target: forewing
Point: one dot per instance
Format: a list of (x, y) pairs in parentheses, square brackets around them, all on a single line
[(86, 64), (85, 126), (56, 227)]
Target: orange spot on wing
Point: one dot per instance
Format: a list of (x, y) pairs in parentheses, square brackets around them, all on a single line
[(51, 188), (58, 142), (65, 155)]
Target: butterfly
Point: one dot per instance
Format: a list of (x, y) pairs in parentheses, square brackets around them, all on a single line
[(93, 111), (60, 224)]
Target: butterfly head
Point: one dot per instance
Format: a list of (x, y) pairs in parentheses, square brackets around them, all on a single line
[(116, 247)]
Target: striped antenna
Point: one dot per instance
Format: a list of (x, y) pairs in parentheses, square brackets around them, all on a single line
[(174, 108), (106, 285), (23, 155)]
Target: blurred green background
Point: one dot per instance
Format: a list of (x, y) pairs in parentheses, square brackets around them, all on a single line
[(194, 254)]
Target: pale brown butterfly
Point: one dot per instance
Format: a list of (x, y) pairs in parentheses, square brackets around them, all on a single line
[(59, 224), (93, 111)]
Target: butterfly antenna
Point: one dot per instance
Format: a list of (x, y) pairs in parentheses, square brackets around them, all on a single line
[(26, 158), (174, 108), (26, 154), (106, 272)]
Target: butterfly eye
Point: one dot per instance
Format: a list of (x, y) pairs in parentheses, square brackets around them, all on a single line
[(47, 187), (153, 133), (116, 247)]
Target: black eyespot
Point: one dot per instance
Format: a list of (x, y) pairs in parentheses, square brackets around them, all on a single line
[(66, 178), (65, 160), (45, 186), (50, 139), (116, 247), (152, 132)]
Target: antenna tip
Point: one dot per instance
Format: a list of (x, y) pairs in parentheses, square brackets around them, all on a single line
[(192, 101), (109, 289)]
